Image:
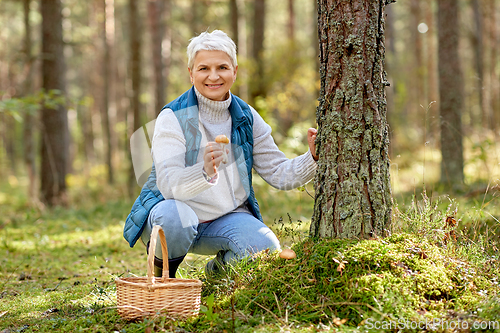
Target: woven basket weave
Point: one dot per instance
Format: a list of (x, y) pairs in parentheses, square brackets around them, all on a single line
[(149, 296)]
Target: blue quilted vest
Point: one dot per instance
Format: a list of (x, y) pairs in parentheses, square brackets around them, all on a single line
[(185, 108)]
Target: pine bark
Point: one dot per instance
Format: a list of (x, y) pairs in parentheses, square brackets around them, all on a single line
[(157, 29), (258, 47), (291, 21), (450, 93), (107, 74), (29, 121), (494, 40), (239, 29), (135, 72), (478, 46), (54, 121), (353, 193), (234, 13)]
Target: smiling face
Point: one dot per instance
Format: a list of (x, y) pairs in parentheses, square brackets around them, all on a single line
[(213, 74)]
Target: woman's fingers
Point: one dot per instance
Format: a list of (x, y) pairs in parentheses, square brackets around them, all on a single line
[(311, 140), (212, 158)]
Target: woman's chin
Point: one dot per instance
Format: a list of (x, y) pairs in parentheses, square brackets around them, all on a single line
[(215, 94)]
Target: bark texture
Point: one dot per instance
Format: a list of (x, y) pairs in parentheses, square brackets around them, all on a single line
[(135, 73), (450, 94), (258, 48), (157, 29), (29, 120), (353, 193), (54, 120), (107, 79)]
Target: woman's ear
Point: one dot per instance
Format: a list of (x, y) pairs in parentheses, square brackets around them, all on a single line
[(234, 74), (190, 75)]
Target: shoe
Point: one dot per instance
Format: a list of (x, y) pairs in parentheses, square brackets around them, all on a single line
[(173, 264), (216, 269)]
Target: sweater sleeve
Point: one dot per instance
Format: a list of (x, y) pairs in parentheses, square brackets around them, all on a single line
[(272, 164), (173, 178)]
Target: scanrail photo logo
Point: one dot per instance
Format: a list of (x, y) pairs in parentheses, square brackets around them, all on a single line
[(430, 325)]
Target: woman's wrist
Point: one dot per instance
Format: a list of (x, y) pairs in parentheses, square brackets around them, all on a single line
[(208, 178)]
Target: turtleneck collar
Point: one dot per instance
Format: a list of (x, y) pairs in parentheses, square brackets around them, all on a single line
[(213, 111)]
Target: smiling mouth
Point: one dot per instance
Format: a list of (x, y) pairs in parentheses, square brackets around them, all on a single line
[(214, 86)]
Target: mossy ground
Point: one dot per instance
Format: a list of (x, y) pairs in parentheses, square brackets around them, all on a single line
[(347, 282), (57, 270)]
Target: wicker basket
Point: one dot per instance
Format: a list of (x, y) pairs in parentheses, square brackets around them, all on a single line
[(149, 296)]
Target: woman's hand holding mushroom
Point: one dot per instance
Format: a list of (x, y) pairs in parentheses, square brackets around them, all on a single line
[(215, 154), (212, 158)]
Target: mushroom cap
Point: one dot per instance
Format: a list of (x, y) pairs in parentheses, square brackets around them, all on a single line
[(222, 139), (287, 254)]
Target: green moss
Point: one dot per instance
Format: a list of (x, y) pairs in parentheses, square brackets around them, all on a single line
[(398, 277)]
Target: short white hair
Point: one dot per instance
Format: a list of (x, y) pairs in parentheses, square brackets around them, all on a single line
[(216, 40)]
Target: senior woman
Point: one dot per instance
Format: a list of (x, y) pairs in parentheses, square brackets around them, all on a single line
[(204, 205)]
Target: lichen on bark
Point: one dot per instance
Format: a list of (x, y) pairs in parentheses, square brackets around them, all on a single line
[(353, 193)]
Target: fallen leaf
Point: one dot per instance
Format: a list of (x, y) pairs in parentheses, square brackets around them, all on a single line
[(451, 222), (340, 267)]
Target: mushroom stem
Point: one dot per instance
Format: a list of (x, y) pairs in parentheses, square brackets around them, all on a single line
[(224, 155), (223, 141)]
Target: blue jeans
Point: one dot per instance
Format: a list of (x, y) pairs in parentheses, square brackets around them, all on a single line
[(237, 235)]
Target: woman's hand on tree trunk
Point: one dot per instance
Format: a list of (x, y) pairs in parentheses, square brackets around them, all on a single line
[(311, 140)]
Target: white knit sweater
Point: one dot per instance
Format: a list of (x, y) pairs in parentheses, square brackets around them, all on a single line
[(212, 200)]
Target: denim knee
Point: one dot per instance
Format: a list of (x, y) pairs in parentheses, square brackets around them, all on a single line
[(179, 223)]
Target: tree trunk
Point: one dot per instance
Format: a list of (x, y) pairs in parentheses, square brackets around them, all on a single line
[(432, 80), (55, 134), (135, 71), (418, 69), (233, 13), (258, 48), (353, 193), (197, 16), (243, 87), (28, 128), (477, 44), (291, 21), (107, 74), (157, 29), (494, 76), (450, 93)]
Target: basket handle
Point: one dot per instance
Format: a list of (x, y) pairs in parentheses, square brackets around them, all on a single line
[(157, 230)]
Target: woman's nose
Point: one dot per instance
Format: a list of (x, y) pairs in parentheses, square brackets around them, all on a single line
[(214, 75)]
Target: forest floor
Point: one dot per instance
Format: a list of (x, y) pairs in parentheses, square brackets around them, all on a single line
[(58, 267)]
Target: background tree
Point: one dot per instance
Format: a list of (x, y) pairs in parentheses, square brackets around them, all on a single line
[(54, 118), (135, 73), (27, 89), (259, 19), (107, 37), (450, 93), (290, 80), (156, 12), (353, 192)]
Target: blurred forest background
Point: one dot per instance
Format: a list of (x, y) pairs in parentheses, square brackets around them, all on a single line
[(124, 59)]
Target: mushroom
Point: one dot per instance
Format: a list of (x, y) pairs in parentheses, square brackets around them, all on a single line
[(222, 140), (287, 254)]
